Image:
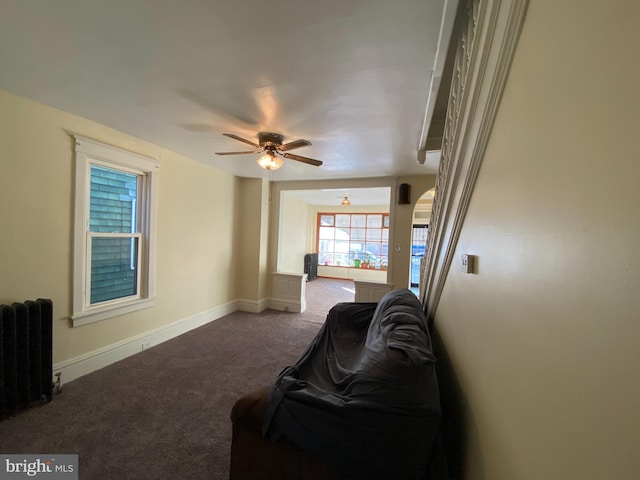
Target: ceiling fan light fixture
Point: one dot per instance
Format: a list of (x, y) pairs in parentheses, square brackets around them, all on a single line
[(345, 201), (270, 144), (270, 161)]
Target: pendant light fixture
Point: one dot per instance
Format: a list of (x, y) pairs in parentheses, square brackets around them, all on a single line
[(345, 201)]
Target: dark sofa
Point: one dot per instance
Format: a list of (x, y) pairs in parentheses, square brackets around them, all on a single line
[(361, 403)]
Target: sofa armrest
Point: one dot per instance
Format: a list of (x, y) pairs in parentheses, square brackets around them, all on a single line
[(248, 411), (253, 458)]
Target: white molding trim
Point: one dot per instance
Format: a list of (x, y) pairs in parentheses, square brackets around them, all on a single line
[(484, 54), (122, 308), (370, 291), (89, 362), (288, 306), (253, 306)]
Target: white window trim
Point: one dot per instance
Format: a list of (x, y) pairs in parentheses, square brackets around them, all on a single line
[(91, 152)]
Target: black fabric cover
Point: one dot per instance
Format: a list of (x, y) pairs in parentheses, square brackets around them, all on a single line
[(364, 397)]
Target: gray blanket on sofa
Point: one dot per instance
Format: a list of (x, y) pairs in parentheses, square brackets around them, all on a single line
[(364, 397)]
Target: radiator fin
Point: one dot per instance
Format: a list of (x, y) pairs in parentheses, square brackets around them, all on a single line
[(25, 355)]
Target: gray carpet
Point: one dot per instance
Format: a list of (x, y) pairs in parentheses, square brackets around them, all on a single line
[(164, 413), (324, 293)]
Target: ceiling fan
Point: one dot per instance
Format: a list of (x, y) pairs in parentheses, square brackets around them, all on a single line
[(272, 148)]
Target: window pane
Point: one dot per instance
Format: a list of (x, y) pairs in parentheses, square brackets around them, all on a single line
[(341, 259), (325, 259), (114, 268), (374, 235), (326, 220), (374, 221), (342, 234), (343, 220), (327, 233), (112, 207), (358, 233), (386, 221), (359, 221), (418, 240), (325, 246), (356, 249), (373, 249), (342, 246)]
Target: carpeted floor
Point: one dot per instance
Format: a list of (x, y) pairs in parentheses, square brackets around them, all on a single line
[(164, 413), (324, 293)]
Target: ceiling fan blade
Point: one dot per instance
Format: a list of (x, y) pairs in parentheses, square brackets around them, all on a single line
[(240, 139), (310, 161), (238, 153), (294, 144)]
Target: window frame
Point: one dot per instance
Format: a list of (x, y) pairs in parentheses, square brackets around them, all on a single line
[(90, 152), (384, 226)]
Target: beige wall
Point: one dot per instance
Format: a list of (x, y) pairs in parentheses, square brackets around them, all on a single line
[(294, 234), (195, 236), (264, 289), (252, 220), (545, 337)]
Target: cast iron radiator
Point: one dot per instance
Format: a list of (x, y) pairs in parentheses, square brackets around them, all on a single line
[(311, 265), (26, 367)]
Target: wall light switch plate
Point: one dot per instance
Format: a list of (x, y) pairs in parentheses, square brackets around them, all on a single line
[(467, 263)]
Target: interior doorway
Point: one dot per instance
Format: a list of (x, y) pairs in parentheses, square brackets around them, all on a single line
[(351, 234), (419, 230)]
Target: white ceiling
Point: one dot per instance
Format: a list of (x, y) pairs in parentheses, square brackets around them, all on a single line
[(359, 197), (357, 78)]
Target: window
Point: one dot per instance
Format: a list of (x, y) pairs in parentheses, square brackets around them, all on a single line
[(418, 248), (114, 237), (358, 240)]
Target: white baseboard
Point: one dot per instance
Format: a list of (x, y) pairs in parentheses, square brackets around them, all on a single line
[(288, 306), (89, 362), (253, 306)]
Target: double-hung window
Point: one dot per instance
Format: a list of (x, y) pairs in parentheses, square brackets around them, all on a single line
[(114, 238)]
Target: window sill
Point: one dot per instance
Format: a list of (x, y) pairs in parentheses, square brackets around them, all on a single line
[(97, 314)]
